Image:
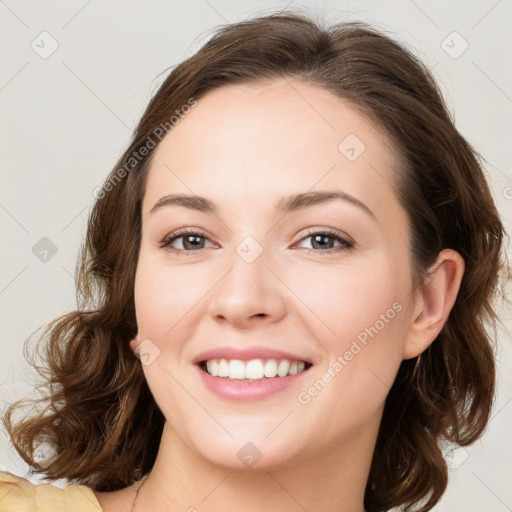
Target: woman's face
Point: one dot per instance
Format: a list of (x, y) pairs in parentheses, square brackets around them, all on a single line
[(269, 277)]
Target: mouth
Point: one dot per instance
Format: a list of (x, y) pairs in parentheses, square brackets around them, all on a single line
[(254, 370)]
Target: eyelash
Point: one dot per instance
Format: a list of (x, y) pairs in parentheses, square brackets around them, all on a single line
[(345, 244)]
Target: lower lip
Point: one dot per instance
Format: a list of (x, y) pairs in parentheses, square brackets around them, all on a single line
[(243, 391)]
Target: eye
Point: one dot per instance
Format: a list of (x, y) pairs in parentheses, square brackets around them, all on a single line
[(321, 244), (191, 240)]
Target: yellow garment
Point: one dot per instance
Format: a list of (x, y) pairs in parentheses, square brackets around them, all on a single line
[(18, 494)]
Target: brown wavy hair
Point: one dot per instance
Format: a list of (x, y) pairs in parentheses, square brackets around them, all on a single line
[(99, 414)]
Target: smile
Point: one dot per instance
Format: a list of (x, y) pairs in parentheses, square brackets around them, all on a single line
[(254, 369)]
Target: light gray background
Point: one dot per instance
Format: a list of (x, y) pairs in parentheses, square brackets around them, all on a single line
[(68, 117)]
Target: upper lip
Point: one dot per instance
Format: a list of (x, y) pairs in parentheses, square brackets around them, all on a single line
[(247, 354)]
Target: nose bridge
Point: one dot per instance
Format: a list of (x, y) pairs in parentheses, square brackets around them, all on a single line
[(249, 288)]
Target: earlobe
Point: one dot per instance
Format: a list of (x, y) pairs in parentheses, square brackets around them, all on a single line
[(134, 343), (436, 300)]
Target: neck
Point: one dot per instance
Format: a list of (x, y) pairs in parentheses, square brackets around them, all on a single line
[(334, 480)]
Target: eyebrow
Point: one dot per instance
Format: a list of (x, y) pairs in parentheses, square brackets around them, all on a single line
[(285, 205)]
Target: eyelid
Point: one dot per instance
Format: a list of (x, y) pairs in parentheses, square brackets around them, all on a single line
[(325, 231), (345, 240), (182, 233)]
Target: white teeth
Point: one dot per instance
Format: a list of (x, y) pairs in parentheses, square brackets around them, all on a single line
[(236, 369), (212, 368), (283, 368), (255, 369), (270, 368), (222, 368)]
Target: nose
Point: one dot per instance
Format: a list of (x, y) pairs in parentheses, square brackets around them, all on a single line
[(248, 294)]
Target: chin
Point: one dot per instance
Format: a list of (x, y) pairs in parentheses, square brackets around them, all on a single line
[(247, 455)]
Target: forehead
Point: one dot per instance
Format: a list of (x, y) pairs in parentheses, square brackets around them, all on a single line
[(266, 140)]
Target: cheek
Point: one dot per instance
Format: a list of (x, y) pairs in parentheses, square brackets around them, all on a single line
[(345, 299), (363, 320), (165, 295)]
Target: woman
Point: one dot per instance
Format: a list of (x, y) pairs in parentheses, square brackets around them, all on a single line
[(302, 252)]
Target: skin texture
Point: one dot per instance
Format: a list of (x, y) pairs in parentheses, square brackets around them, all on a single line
[(245, 147)]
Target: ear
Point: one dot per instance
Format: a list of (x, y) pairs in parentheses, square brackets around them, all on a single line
[(135, 343), (434, 301)]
